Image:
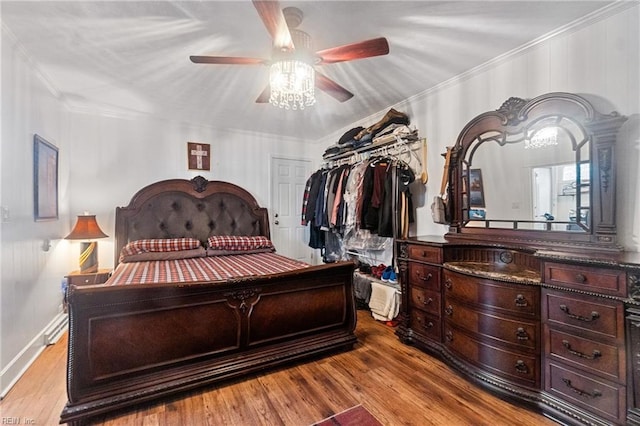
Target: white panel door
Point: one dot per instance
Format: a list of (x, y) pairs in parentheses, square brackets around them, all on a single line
[(288, 179)]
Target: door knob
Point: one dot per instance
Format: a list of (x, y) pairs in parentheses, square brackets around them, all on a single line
[(277, 222)]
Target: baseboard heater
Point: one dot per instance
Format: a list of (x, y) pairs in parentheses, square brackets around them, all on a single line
[(57, 327)]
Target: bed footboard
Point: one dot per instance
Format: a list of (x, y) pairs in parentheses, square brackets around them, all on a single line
[(130, 344)]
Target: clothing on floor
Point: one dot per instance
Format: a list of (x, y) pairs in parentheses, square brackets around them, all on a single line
[(384, 302)]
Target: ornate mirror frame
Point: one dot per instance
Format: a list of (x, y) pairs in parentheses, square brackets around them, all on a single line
[(511, 123)]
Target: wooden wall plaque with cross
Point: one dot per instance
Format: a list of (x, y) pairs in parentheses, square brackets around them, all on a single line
[(199, 155)]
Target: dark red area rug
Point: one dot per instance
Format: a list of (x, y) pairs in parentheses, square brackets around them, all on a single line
[(354, 416)]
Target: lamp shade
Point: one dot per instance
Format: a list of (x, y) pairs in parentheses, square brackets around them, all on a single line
[(86, 229)]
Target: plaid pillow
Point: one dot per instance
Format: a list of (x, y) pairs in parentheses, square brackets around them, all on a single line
[(162, 255), (160, 245), (239, 243)]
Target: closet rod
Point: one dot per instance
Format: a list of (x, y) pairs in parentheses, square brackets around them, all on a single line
[(364, 153)]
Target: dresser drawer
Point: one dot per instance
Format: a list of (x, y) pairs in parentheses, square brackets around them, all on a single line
[(604, 398), (597, 316), (514, 365), (599, 280), (425, 253), (425, 324), (519, 333), (427, 300), (424, 275), (593, 356), (505, 297)]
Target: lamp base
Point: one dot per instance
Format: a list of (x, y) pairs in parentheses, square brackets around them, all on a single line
[(88, 257)]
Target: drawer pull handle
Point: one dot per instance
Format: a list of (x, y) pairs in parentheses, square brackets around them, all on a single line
[(521, 334), (521, 367), (594, 315), (520, 301), (424, 278), (448, 310), (428, 301), (449, 336), (596, 353), (429, 324), (581, 278), (424, 253), (448, 284), (596, 393)]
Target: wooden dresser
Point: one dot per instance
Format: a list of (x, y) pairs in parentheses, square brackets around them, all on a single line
[(537, 300), (543, 328)]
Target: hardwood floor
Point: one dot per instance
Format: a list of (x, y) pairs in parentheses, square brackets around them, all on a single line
[(397, 383)]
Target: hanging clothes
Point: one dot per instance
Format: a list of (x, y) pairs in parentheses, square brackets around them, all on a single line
[(371, 195), (405, 177), (385, 216), (310, 196)]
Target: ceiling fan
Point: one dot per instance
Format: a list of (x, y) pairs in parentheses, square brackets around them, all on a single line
[(291, 45)]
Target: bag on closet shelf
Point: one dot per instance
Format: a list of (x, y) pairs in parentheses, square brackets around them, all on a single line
[(439, 206)]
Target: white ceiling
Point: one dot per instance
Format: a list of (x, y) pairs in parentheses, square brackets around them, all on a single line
[(131, 57)]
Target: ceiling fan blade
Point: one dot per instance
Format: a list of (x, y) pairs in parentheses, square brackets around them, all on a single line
[(332, 88), (232, 60), (349, 52), (273, 18), (263, 98)]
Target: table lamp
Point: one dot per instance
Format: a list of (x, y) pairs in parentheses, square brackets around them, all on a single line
[(87, 229)]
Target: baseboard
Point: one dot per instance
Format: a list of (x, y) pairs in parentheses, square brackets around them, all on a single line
[(23, 360)]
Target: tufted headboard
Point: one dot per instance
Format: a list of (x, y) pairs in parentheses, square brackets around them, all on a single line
[(195, 208)]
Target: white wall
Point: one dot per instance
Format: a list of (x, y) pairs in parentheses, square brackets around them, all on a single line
[(113, 157), (30, 277), (598, 58)]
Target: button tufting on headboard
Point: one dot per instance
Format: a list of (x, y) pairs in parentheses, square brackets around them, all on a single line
[(174, 209)]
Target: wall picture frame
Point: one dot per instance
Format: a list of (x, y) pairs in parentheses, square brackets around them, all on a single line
[(45, 179), (476, 188), (199, 156)]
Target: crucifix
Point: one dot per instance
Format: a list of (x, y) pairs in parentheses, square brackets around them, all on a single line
[(199, 156)]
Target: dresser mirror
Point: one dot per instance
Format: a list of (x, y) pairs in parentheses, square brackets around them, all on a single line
[(540, 170)]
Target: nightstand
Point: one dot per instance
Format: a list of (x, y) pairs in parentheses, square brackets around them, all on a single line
[(78, 278)]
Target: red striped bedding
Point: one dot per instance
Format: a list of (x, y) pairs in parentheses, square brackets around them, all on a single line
[(214, 268)]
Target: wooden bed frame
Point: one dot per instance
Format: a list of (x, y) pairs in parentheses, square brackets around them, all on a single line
[(136, 343)]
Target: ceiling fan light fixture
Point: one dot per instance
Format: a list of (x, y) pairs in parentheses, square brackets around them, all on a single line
[(292, 76), (292, 84)]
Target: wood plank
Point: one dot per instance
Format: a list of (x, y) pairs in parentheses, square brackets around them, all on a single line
[(398, 384)]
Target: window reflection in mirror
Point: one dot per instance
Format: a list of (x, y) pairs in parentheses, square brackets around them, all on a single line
[(536, 182)]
